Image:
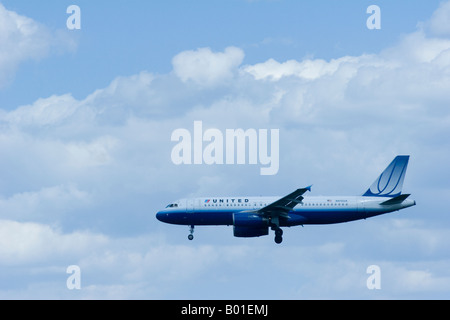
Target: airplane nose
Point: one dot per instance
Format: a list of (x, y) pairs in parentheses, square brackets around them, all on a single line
[(162, 216)]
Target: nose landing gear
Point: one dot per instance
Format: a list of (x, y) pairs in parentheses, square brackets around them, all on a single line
[(191, 233)]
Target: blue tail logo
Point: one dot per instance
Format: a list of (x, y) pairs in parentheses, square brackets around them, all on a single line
[(390, 182)]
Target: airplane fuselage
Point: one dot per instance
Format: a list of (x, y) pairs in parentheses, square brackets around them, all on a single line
[(312, 210)]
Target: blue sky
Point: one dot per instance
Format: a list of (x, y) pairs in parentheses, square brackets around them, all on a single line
[(124, 38), (86, 118)]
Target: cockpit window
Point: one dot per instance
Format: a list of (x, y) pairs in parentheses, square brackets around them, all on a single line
[(172, 205)]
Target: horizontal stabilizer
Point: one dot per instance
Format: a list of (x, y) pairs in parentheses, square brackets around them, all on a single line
[(396, 200)]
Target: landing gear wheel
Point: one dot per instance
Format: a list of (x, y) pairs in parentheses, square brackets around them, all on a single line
[(278, 239), (191, 235), (278, 236)]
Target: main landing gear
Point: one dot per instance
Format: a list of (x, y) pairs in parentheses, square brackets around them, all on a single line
[(275, 225), (191, 233), (278, 235)]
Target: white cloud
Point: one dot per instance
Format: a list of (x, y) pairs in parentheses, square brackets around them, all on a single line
[(417, 47), (95, 153), (22, 39), (43, 112), (31, 243), (339, 104), (307, 69), (104, 162), (422, 281), (45, 205), (439, 23), (207, 68)]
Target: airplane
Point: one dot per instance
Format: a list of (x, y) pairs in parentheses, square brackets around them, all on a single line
[(254, 216)]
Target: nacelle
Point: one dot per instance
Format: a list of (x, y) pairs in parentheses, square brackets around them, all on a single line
[(248, 225), (249, 232)]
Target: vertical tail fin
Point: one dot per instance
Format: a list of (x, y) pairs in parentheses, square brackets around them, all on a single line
[(390, 182)]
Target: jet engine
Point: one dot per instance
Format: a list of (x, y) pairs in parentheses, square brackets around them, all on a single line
[(248, 225)]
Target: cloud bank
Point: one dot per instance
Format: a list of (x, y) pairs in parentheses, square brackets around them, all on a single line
[(82, 178), (23, 39)]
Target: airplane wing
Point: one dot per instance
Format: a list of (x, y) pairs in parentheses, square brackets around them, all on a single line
[(284, 205)]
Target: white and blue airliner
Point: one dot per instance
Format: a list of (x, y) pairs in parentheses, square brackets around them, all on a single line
[(254, 216)]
